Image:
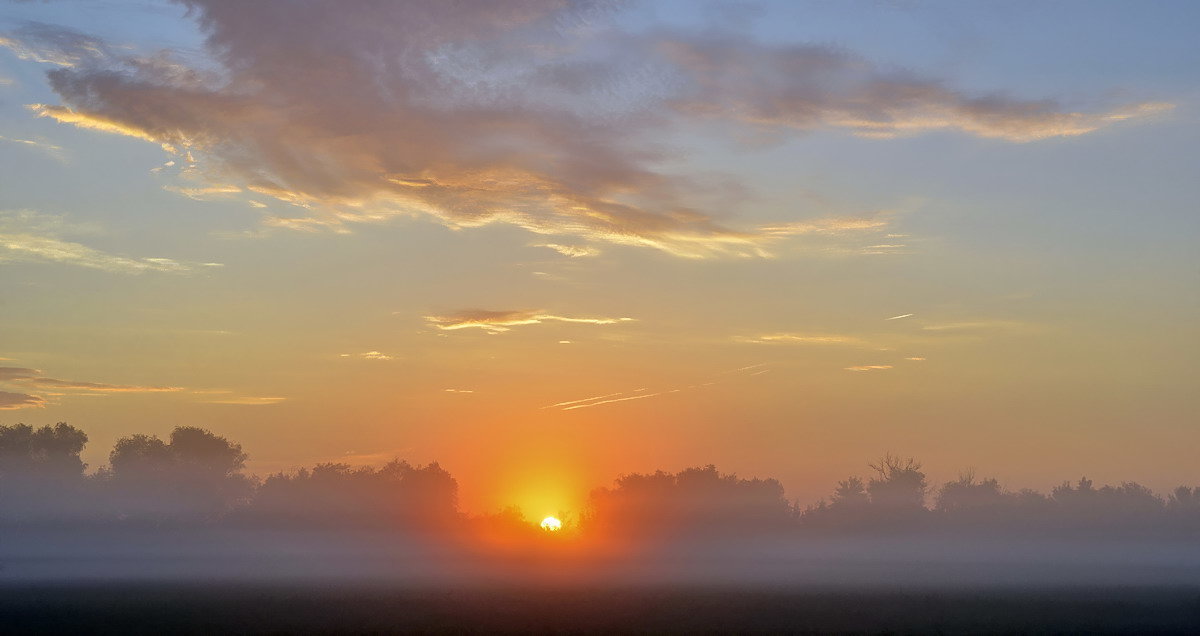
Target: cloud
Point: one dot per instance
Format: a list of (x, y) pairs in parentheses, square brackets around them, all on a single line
[(899, 317), (916, 359), (583, 400), (27, 236), (48, 44), (574, 251), (458, 390), (641, 394), (534, 113), (368, 355), (804, 339), (13, 401), (500, 321), (204, 193), (34, 378), (982, 327), (248, 401), (811, 87), (583, 404), (827, 226), (870, 367), (49, 148)]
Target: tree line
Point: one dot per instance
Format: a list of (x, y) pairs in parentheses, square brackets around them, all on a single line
[(195, 477)]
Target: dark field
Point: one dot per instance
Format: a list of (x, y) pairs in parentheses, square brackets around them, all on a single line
[(358, 608)]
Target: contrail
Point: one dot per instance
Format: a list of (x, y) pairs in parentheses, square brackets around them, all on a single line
[(898, 317), (571, 405), (632, 397), (598, 397)]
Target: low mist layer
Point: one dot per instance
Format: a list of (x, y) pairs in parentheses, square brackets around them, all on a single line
[(184, 508)]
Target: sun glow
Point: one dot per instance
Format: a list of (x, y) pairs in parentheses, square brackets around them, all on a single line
[(551, 524)]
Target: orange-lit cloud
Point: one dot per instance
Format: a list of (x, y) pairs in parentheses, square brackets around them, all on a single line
[(826, 226), (34, 378), (804, 339), (405, 112), (12, 401), (203, 193), (870, 367), (369, 355), (810, 87), (249, 401), (573, 251), (500, 321)]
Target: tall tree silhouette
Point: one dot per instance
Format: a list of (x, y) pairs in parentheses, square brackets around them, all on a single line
[(195, 474), (40, 470), (898, 484)]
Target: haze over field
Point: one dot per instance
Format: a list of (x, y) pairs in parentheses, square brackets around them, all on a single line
[(545, 243)]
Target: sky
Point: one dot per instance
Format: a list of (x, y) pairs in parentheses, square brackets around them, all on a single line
[(545, 243)]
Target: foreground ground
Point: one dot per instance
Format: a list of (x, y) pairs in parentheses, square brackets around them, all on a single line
[(131, 608)]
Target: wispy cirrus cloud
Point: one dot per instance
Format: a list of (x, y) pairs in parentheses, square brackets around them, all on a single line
[(535, 113), (35, 378), (33, 387), (803, 339), (27, 236), (53, 150), (368, 355), (573, 251), (870, 367), (805, 87), (982, 327), (247, 401), (833, 225), (205, 192), (48, 44), (501, 321)]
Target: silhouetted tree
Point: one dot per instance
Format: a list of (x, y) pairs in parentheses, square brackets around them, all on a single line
[(396, 495), (1183, 505), (47, 451), (1110, 509), (899, 484), (41, 473), (196, 474), (891, 500), (850, 493), (695, 500)]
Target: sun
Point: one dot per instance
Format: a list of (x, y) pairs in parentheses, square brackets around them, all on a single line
[(551, 524)]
